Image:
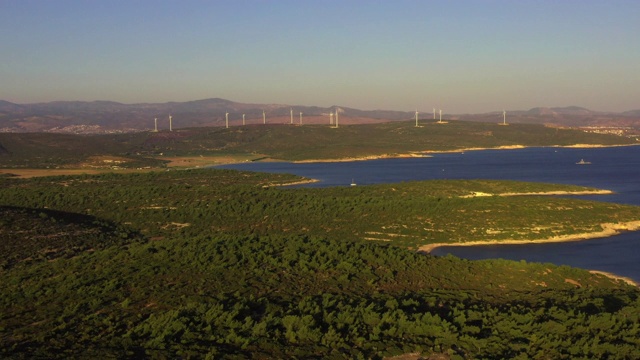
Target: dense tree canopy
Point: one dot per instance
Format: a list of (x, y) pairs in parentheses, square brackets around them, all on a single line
[(223, 264)]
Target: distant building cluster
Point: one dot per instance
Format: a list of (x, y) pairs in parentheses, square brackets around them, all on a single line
[(89, 129), (620, 131)]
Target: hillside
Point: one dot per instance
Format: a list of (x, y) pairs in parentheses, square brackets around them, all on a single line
[(232, 267), (99, 117), (285, 142), (32, 235)]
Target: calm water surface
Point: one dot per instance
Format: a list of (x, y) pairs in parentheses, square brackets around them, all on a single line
[(616, 169)]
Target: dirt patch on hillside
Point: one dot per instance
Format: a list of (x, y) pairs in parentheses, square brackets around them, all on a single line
[(204, 161), (29, 173)]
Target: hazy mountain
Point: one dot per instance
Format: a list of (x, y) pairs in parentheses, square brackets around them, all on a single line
[(110, 116), (8, 107), (568, 110), (570, 116)]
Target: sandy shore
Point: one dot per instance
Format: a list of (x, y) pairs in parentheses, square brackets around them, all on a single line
[(540, 193), (614, 276), (301, 182), (365, 158), (586, 146), (608, 229), (585, 192), (415, 154)]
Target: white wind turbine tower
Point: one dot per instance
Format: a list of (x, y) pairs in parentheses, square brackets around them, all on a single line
[(337, 112), (264, 117), (155, 125), (291, 112), (226, 119), (170, 125), (242, 119), (504, 118), (331, 118), (300, 117), (440, 121), (416, 117), (434, 113)]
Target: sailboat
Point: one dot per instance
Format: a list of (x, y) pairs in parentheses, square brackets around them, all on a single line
[(353, 183), (582, 162)]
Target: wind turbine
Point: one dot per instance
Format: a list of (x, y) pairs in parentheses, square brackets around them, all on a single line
[(337, 112), (300, 117), (416, 117), (331, 118), (226, 117), (155, 125), (291, 112), (170, 125), (434, 113), (504, 118), (264, 117), (440, 121), (242, 119)]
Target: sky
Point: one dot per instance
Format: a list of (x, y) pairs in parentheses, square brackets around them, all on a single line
[(460, 56)]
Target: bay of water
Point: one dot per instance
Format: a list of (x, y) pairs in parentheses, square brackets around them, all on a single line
[(616, 169)]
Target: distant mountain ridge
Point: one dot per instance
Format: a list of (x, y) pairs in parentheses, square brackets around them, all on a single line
[(111, 116), (568, 110)]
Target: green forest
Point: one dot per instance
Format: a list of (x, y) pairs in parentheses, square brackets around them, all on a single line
[(224, 264)]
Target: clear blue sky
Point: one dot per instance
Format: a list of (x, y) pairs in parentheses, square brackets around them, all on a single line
[(460, 56)]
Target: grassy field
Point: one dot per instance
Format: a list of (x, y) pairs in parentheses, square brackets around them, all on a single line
[(176, 162)]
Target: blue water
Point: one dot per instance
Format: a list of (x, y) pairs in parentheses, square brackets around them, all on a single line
[(616, 169)]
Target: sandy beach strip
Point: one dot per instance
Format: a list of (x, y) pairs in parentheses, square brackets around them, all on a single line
[(416, 154), (608, 229), (300, 182), (614, 276), (540, 193)]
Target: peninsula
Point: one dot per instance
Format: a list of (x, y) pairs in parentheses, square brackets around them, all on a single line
[(192, 147)]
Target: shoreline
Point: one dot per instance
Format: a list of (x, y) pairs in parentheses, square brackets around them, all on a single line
[(608, 230), (300, 182), (542, 193), (213, 161), (616, 277), (426, 153), (365, 158)]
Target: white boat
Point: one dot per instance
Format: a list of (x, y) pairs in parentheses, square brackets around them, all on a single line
[(582, 162), (353, 183)]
